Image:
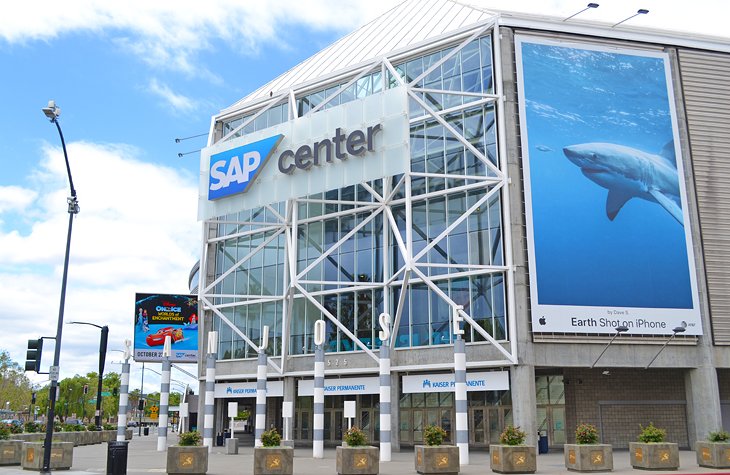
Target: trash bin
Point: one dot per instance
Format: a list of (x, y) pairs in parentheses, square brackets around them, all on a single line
[(219, 440), (542, 443), (146, 431), (116, 457)]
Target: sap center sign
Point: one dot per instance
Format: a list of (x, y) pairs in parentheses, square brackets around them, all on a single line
[(362, 140)]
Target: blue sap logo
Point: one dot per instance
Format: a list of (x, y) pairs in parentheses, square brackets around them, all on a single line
[(232, 171)]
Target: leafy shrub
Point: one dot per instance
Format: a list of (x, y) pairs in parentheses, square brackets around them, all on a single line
[(434, 435), (586, 434), (190, 438), (355, 437), (512, 436), (109, 426), (719, 436), (242, 415), (4, 432), (15, 428), (92, 427), (32, 427), (651, 433), (271, 438)]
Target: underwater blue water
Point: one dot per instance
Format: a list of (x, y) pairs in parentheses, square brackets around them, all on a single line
[(574, 96)]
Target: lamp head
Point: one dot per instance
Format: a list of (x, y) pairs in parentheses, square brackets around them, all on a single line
[(679, 330), (52, 111), (592, 5), (621, 329), (642, 11)]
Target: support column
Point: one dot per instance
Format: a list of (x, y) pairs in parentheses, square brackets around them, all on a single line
[(260, 398), (703, 403), (290, 395), (318, 433), (385, 407), (395, 415), (209, 404), (164, 397), (123, 400), (524, 403), (462, 422)]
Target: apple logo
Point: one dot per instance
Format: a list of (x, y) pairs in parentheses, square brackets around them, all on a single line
[(542, 321)]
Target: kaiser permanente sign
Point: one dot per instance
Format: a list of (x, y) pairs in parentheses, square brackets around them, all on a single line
[(362, 140)]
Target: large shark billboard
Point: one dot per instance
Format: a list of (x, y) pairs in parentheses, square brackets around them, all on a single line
[(609, 242)]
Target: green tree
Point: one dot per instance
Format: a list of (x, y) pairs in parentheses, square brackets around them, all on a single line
[(15, 387)]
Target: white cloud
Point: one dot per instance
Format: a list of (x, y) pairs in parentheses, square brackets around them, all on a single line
[(15, 198), (178, 102), (169, 34), (136, 232)]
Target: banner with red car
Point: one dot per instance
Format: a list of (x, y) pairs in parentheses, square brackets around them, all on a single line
[(158, 316)]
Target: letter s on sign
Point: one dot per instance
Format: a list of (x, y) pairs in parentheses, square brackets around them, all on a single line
[(218, 175), (384, 320)]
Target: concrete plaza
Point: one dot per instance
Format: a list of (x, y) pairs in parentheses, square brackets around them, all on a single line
[(144, 459)]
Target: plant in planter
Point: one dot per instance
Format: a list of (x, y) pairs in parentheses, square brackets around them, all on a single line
[(511, 455), (435, 457), (587, 455), (651, 452), (10, 450), (355, 456), (188, 457), (715, 451), (272, 458)]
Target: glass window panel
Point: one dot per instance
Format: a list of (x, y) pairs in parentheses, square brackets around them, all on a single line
[(458, 249), (440, 317), (419, 315), (403, 339), (470, 56), (456, 208), (436, 217), (485, 46), (432, 400), (557, 390), (413, 69), (347, 267), (451, 66), (429, 60)]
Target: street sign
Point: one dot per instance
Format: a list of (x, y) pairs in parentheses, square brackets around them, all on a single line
[(53, 373)]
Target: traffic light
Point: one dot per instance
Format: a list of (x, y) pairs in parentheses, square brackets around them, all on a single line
[(140, 405), (86, 388), (32, 398), (33, 355)]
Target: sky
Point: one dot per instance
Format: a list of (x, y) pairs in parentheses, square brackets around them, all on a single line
[(131, 77)]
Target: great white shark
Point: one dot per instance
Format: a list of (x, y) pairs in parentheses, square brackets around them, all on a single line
[(630, 173)]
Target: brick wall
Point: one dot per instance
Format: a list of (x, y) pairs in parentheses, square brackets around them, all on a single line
[(619, 402)]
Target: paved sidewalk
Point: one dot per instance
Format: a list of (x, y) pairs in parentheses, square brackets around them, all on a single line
[(143, 458)]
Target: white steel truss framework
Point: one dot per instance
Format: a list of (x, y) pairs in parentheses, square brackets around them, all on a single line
[(396, 192)]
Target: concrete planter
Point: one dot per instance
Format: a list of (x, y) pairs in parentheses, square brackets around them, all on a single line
[(713, 454), (273, 460), (441, 459), (187, 459), (588, 458), (128, 434), (654, 456), (513, 458), (62, 454), (363, 460), (10, 452)]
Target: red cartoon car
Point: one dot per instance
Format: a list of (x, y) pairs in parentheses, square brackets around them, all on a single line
[(158, 338)]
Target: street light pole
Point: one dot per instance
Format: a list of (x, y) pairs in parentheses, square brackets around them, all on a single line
[(52, 112), (102, 358)]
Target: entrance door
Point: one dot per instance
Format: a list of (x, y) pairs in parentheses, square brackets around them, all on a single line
[(551, 421), (333, 421), (369, 422), (485, 425)]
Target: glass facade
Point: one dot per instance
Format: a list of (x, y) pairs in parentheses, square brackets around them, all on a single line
[(349, 256)]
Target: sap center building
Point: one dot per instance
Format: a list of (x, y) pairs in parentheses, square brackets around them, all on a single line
[(497, 218)]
